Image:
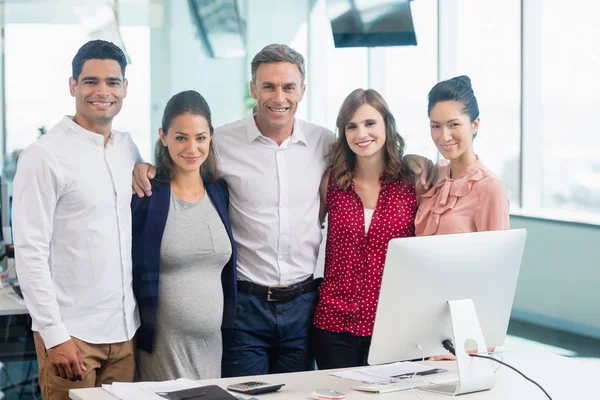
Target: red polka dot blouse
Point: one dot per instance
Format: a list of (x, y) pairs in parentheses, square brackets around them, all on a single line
[(354, 259)]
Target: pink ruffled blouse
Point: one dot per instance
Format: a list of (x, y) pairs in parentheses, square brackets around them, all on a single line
[(474, 201)]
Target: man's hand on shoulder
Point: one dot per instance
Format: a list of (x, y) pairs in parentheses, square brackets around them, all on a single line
[(142, 173), (424, 170), (66, 361)]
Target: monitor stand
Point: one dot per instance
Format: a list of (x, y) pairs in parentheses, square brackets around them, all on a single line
[(474, 374)]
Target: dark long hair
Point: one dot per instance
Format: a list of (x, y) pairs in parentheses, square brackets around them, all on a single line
[(343, 159), (186, 102)]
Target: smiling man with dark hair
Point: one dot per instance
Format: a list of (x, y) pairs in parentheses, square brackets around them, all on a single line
[(72, 233)]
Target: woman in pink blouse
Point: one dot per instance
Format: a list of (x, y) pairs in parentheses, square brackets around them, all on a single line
[(370, 198), (467, 197)]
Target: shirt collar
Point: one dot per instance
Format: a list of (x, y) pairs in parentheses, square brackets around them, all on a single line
[(96, 138), (252, 131)]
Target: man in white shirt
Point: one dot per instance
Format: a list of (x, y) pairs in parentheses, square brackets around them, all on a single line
[(72, 234), (273, 164)]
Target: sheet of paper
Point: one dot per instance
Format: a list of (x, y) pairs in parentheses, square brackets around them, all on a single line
[(382, 373), (147, 390)]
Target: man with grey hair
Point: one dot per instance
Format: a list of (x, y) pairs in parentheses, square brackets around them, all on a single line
[(273, 164)]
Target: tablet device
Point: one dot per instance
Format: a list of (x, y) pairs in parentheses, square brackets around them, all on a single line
[(211, 392)]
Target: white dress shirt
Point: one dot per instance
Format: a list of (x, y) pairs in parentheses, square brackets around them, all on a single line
[(72, 235), (274, 198)]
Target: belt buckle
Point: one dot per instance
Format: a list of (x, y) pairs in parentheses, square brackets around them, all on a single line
[(269, 291)]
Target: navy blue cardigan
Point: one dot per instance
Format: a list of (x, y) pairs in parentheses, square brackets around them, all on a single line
[(149, 217)]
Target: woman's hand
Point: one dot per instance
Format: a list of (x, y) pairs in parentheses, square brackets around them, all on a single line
[(451, 357)]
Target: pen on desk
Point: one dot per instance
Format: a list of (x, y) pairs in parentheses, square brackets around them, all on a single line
[(162, 394), (422, 373)]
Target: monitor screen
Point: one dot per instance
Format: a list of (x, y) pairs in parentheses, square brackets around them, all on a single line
[(371, 23)]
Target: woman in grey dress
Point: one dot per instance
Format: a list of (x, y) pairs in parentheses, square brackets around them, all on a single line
[(184, 266)]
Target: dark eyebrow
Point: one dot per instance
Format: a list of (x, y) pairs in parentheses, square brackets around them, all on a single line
[(285, 84), (450, 120), (95, 78), (366, 120), (185, 134)]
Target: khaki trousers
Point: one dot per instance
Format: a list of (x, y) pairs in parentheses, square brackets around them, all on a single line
[(105, 363)]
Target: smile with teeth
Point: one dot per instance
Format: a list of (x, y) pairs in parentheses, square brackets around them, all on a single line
[(99, 104), (278, 110), (364, 143)]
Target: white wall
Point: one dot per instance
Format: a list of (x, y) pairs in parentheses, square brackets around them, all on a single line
[(560, 276)]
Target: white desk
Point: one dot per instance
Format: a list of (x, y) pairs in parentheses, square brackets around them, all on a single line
[(8, 306), (561, 377)]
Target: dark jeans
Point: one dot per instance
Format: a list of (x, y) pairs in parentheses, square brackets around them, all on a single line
[(339, 349), (270, 337)]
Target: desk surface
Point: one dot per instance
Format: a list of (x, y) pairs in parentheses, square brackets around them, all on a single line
[(561, 377), (8, 306)]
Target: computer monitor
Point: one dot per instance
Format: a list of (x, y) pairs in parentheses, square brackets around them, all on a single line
[(423, 274)]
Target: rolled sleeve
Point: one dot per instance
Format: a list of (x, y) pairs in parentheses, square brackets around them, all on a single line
[(36, 191)]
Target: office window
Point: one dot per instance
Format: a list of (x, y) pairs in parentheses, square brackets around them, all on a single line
[(300, 44), (37, 79), (570, 97), (333, 72), (135, 114), (405, 77), (38, 57), (347, 70), (489, 52)]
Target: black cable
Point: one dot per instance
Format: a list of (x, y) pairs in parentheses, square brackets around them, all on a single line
[(514, 369), (447, 344)]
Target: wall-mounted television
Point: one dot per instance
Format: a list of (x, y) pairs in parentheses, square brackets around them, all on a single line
[(371, 23)]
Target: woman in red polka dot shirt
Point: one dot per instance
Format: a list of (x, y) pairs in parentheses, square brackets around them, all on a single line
[(369, 196)]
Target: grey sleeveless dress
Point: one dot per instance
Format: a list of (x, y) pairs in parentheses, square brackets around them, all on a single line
[(194, 250)]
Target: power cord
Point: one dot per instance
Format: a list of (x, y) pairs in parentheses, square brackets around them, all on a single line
[(450, 347), (412, 388)]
